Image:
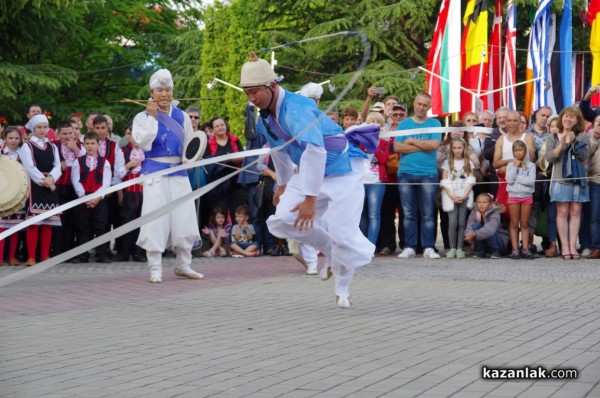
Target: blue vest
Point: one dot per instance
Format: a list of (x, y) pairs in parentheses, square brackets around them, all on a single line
[(299, 114), (166, 143)]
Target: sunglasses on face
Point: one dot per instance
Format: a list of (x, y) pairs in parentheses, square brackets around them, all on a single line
[(398, 114), (194, 117)]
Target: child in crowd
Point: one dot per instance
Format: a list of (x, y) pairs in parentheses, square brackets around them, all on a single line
[(484, 228), (12, 143), (69, 149), (241, 235), (131, 205), (520, 179), (91, 173), (457, 183), (42, 163), (218, 232)]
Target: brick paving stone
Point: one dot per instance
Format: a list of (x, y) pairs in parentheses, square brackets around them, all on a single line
[(261, 328)]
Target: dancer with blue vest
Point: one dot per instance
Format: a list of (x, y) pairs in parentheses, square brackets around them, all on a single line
[(328, 186), (161, 131)]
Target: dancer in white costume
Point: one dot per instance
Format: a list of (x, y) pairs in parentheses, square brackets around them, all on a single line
[(161, 131), (328, 185)]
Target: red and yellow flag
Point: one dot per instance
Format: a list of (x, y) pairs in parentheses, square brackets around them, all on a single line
[(474, 50), (593, 17)]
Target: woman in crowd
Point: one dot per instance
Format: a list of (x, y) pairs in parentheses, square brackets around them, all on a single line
[(567, 150), (228, 195)]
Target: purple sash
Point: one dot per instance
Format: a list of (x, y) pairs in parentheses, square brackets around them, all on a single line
[(366, 135), (332, 143), (172, 125)]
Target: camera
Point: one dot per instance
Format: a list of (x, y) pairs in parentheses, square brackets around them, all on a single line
[(379, 90)]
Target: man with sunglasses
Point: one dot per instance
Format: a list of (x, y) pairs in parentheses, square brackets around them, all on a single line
[(194, 114)]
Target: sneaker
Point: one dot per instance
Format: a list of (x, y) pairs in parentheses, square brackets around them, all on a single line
[(237, 256), (586, 253), (430, 253), (515, 255), (312, 270), (460, 253), (527, 255), (155, 276), (343, 301), (326, 272), (451, 253), (407, 253), (495, 256), (187, 272)]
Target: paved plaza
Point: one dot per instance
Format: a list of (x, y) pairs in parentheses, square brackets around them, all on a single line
[(259, 327)]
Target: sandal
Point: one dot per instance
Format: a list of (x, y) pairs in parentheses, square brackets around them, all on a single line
[(567, 257), (209, 253), (575, 257)]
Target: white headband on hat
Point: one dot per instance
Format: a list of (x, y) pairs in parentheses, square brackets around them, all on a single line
[(312, 90), (161, 78), (34, 121)]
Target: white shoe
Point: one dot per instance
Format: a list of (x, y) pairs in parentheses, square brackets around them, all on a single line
[(188, 273), (407, 253), (430, 253), (312, 270), (326, 272), (155, 276), (343, 301), (586, 253)]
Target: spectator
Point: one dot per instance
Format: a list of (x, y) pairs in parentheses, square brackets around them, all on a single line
[(539, 128), (69, 150), (457, 183), (334, 115), (523, 122), (228, 195), (12, 144), (520, 179), (90, 174), (549, 207), (375, 174), (219, 233), (194, 114), (489, 146), (589, 114), (567, 150), (242, 234), (484, 228), (349, 117), (503, 154), (418, 165), (42, 163), (391, 199), (133, 199), (594, 174)]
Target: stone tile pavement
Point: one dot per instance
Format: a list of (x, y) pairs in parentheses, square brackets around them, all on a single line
[(261, 328)]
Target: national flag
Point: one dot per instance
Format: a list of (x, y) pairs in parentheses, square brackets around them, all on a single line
[(444, 61), (554, 94), (566, 54), (474, 52), (593, 17), (492, 101), (509, 72), (537, 58)]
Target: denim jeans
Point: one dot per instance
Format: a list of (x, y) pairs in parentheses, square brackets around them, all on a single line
[(417, 195), (370, 220), (493, 244), (595, 215)]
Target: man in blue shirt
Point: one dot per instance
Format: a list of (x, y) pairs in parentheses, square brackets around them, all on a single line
[(418, 177)]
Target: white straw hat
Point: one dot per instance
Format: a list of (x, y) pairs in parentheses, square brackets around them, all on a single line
[(257, 72)]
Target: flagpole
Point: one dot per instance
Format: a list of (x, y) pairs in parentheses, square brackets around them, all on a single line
[(483, 54)]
